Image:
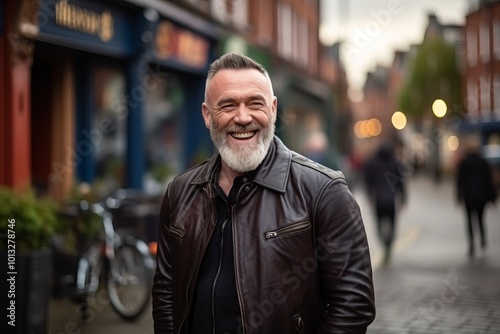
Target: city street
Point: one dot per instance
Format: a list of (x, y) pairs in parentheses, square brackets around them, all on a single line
[(430, 285)]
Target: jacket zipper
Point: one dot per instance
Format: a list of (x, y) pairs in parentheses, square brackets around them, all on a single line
[(297, 227), (217, 275), (300, 325), (177, 232), (236, 272)]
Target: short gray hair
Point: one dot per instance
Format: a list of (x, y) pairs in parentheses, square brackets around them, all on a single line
[(234, 61)]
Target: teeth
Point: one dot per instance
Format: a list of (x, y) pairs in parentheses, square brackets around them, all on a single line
[(242, 135)]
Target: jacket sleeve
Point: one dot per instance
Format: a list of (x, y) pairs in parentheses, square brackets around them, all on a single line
[(344, 262), (162, 285)]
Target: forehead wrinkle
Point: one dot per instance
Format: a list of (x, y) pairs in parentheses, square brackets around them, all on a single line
[(233, 99), (261, 81)]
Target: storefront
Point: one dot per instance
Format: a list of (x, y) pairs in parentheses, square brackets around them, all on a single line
[(116, 97), (305, 115)]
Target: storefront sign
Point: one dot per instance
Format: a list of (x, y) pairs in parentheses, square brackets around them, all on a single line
[(180, 44), (98, 26), (88, 21)]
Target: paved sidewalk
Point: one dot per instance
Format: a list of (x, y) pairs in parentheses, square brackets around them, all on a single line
[(431, 285)]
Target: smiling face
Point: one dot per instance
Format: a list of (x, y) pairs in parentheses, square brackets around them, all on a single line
[(240, 112)]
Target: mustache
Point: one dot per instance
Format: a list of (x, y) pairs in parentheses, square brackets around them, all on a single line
[(239, 128)]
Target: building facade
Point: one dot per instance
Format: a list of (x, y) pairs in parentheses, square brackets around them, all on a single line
[(109, 92), (482, 69)]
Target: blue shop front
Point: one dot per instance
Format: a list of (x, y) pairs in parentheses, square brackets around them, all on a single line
[(116, 96)]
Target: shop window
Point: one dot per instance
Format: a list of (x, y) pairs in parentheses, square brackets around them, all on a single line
[(484, 43), (472, 98), (285, 38), (162, 121), (471, 47), (109, 128), (233, 11), (485, 93), (496, 38), (496, 96), (303, 132)]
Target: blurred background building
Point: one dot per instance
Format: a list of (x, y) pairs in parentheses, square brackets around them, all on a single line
[(482, 75), (109, 92), (456, 65)]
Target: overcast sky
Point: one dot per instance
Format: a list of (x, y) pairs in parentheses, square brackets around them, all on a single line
[(373, 29)]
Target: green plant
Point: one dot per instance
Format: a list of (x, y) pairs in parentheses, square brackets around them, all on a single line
[(433, 73), (161, 172), (33, 221)]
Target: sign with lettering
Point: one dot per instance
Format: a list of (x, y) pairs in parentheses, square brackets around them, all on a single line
[(182, 45), (81, 19), (97, 26)]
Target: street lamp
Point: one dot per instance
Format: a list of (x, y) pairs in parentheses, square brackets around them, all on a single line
[(439, 109)]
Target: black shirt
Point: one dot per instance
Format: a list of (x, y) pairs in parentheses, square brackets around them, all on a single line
[(215, 304)]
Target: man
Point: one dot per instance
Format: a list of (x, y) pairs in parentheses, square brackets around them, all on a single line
[(387, 193), (258, 239), (475, 187)]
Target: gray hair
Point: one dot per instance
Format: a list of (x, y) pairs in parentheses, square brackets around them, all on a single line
[(234, 61)]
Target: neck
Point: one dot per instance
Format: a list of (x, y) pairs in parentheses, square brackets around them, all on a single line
[(226, 177)]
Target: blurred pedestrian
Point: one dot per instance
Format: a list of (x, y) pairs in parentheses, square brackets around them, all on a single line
[(386, 192), (258, 239), (475, 188)]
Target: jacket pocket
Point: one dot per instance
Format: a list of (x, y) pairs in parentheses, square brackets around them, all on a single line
[(289, 229), (300, 324), (176, 232)]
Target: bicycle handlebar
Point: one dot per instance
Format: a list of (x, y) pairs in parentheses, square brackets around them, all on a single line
[(120, 199)]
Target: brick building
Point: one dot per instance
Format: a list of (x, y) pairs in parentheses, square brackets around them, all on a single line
[(118, 103)]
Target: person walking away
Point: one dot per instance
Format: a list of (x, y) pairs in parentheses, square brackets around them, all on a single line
[(258, 239), (386, 191), (475, 188)]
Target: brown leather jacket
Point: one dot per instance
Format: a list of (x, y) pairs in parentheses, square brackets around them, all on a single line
[(301, 256)]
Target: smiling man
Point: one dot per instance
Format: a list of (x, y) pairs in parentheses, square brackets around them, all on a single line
[(258, 239)]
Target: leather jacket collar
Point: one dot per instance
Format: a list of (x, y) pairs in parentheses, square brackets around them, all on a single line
[(272, 173)]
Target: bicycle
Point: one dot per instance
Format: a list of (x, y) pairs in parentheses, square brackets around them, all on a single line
[(116, 256)]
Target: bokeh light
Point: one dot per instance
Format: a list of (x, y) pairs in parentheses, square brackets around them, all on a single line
[(374, 127), (368, 128), (398, 120), (357, 129), (453, 143), (439, 108)]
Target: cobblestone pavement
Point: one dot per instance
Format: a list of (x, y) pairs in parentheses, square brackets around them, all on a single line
[(430, 286)]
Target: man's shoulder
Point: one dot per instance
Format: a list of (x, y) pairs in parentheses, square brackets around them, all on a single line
[(194, 174), (313, 167)]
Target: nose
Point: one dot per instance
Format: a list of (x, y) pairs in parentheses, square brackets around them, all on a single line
[(242, 116)]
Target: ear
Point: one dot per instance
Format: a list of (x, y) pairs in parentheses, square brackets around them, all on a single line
[(275, 105), (206, 115)]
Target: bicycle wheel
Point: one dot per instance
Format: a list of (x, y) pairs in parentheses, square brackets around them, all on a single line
[(130, 278)]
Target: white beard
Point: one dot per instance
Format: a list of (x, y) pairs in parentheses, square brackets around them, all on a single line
[(244, 158)]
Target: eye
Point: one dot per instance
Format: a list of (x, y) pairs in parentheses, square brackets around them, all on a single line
[(227, 107), (256, 104)]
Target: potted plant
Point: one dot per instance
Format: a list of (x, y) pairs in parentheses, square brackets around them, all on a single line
[(27, 225)]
